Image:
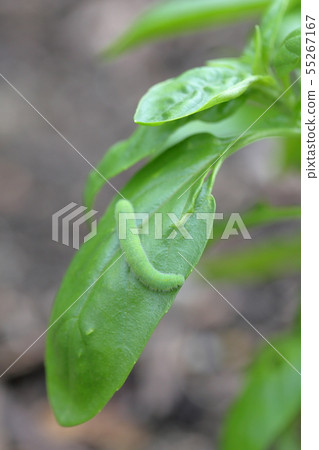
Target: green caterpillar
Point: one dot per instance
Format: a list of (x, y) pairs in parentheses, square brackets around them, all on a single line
[(137, 258)]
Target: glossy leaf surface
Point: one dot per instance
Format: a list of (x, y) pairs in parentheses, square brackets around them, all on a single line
[(193, 91)]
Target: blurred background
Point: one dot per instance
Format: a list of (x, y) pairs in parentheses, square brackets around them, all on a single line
[(194, 365)]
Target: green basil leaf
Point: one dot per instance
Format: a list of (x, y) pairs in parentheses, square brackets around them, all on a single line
[(193, 91), (273, 388), (149, 142), (291, 22), (256, 58), (254, 263), (270, 27), (173, 17), (288, 57), (103, 316), (92, 348)]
